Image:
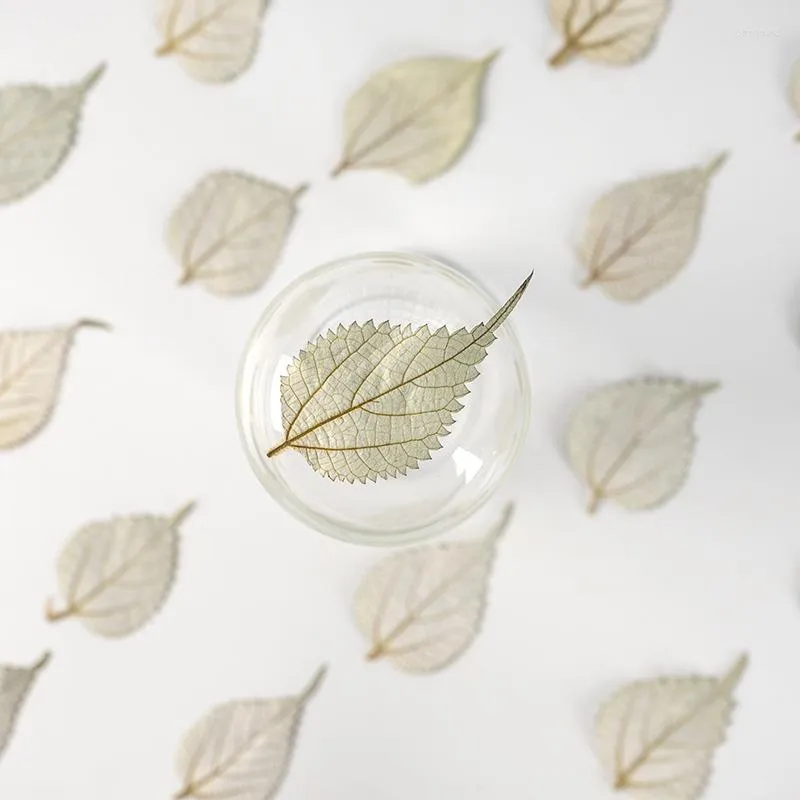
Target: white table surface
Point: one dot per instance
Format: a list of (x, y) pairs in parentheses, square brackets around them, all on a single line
[(578, 605)]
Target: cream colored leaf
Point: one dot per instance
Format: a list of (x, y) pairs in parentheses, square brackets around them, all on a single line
[(115, 575), (610, 31), (657, 738), (228, 233), (422, 608), (38, 127), (794, 92), (15, 684), (413, 117), (633, 441), (640, 234), (372, 401), (31, 365), (214, 41), (241, 750)]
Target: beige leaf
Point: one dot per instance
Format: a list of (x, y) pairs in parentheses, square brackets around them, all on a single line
[(115, 575), (31, 366), (609, 31), (228, 233), (657, 738), (372, 401), (422, 608), (640, 234), (214, 40), (241, 750), (15, 684), (633, 441), (38, 127), (794, 92), (413, 117)]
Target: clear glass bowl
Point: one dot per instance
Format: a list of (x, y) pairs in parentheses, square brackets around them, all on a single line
[(484, 441)]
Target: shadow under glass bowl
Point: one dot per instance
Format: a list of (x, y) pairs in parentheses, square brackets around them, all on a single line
[(484, 441)]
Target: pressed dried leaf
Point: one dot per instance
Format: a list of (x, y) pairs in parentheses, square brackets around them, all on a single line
[(640, 234), (31, 365), (372, 401), (115, 575), (213, 40), (633, 441), (15, 684), (609, 31), (657, 738), (794, 92), (422, 608), (413, 117), (38, 127), (228, 232), (241, 750)]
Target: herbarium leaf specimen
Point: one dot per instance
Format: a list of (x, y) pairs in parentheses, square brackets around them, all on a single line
[(371, 401), (657, 738), (609, 31), (15, 684), (413, 117), (228, 232), (115, 575), (38, 127), (633, 441), (241, 750), (794, 91), (422, 608), (31, 365), (214, 40), (641, 233)]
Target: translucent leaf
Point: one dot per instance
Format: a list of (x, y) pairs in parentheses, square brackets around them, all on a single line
[(372, 401), (610, 31), (657, 738), (38, 127), (31, 366), (15, 684), (633, 441), (794, 92), (241, 750), (413, 117), (213, 40), (422, 608), (115, 575), (228, 232), (642, 233)]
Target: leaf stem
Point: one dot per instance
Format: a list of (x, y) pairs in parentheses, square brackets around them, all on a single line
[(716, 163), (340, 167), (564, 54), (299, 191), (797, 136), (187, 791), (164, 49), (275, 450), (588, 281), (92, 323), (378, 651), (312, 685), (594, 501), (51, 615), (42, 662), (91, 79), (180, 515)]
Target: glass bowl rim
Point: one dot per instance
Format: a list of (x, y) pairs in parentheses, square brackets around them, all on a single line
[(321, 523)]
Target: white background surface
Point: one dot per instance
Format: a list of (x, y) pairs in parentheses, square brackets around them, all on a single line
[(578, 605)]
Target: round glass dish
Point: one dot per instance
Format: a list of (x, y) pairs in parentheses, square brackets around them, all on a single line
[(484, 441)]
